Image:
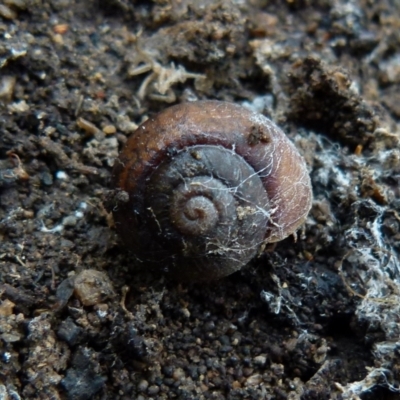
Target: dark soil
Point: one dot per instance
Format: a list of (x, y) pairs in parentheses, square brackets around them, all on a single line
[(313, 318)]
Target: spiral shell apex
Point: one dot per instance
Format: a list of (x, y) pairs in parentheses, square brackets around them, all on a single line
[(208, 183)]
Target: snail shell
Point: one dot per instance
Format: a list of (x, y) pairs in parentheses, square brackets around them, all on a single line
[(205, 184)]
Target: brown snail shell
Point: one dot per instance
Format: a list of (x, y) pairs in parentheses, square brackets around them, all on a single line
[(204, 185)]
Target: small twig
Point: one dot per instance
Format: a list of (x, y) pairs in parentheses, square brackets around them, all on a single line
[(125, 290), (62, 160)]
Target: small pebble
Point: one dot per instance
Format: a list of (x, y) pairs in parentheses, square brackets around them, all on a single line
[(253, 380), (109, 129), (61, 175), (153, 389), (6, 308), (92, 287), (7, 84), (143, 385), (260, 360), (185, 312), (178, 374), (6, 12)]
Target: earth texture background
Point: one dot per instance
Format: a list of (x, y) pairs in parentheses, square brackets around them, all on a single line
[(313, 318)]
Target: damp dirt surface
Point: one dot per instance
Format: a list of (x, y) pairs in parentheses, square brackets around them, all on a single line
[(315, 317)]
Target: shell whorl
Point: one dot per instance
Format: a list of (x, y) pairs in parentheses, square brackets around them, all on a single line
[(207, 205)]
